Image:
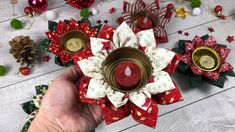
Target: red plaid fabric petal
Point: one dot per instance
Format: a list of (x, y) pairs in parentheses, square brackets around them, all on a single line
[(197, 42), (173, 65), (148, 117), (82, 92), (186, 58), (111, 114), (138, 5), (196, 70), (224, 52), (224, 67), (212, 75), (189, 47), (210, 42)]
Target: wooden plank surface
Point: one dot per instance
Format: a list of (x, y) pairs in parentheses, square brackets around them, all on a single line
[(15, 89)]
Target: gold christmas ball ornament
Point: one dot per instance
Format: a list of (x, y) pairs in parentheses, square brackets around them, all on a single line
[(206, 59), (74, 41), (126, 54)]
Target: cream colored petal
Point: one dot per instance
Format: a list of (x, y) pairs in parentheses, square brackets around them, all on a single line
[(160, 58), (146, 39), (142, 99), (116, 98), (97, 46), (91, 67), (96, 89), (162, 83), (124, 37)]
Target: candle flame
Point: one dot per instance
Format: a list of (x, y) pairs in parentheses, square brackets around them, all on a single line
[(128, 71), (145, 20)]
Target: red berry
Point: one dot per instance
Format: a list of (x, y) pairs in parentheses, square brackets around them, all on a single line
[(218, 8), (112, 10), (28, 10), (24, 70), (170, 6)]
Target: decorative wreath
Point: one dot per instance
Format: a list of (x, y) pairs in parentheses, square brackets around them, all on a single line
[(204, 60), (141, 16), (128, 74)]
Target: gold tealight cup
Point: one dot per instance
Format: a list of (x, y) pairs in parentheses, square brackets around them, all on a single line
[(206, 59), (150, 15), (74, 41), (126, 54)]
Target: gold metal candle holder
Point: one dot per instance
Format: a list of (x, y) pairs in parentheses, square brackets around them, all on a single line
[(126, 54), (140, 14), (74, 41), (206, 59)]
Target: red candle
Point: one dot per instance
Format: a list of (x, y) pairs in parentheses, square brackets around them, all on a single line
[(127, 75), (144, 23)]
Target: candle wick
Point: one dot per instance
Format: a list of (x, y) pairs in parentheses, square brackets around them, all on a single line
[(128, 71), (145, 20)]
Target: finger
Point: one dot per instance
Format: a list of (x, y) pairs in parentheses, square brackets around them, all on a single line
[(72, 73)]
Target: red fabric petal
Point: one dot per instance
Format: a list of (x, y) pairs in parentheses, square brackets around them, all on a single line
[(55, 48), (224, 67), (186, 58), (224, 52), (197, 42), (111, 114), (106, 33), (169, 97), (54, 37), (173, 65), (82, 92), (138, 5), (212, 75), (196, 70), (74, 24), (189, 47), (62, 28), (210, 42), (84, 54), (148, 117), (65, 57)]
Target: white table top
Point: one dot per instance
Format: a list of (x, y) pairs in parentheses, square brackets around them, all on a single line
[(204, 109)]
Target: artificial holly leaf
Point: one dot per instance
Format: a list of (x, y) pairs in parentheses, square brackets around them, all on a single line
[(230, 73), (181, 43), (221, 45), (205, 37), (52, 25), (28, 107), (182, 68), (41, 89), (66, 21), (84, 19), (195, 81), (178, 50), (26, 126), (219, 82), (59, 62), (44, 44)]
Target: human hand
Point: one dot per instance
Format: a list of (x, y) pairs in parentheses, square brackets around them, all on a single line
[(61, 109)]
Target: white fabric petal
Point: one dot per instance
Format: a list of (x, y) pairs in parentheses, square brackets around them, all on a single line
[(91, 67), (97, 46), (160, 58), (146, 39), (124, 37), (116, 98), (96, 89), (141, 99), (162, 83)]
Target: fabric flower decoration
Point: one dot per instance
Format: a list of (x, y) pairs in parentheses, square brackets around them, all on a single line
[(80, 4), (204, 60), (142, 16), (65, 39), (125, 99)]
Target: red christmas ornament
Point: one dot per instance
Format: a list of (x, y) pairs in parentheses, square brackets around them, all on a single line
[(218, 8), (38, 5), (28, 10), (79, 4), (170, 7), (144, 23), (127, 75), (112, 10), (24, 71)]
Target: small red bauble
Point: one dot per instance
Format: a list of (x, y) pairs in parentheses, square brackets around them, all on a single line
[(38, 5), (112, 10), (144, 23), (79, 4), (218, 8), (28, 10), (170, 7), (127, 75), (24, 70)]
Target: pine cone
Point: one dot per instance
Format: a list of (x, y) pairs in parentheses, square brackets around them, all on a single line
[(24, 50)]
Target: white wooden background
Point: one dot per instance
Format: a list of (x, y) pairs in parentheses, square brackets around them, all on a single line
[(204, 109)]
